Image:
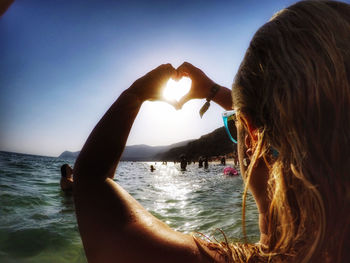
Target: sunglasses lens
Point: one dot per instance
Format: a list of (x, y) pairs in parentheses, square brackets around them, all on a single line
[(232, 127)]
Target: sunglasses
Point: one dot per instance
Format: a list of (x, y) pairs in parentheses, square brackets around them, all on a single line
[(230, 118)]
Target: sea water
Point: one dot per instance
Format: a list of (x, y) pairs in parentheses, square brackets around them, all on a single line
[(38, 223)]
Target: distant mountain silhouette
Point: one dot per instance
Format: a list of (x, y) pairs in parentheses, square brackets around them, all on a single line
[(144, 152), (140, 152), (215, 143), (68, 154), (212, 144)]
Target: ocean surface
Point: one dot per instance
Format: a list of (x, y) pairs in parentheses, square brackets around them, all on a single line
[(38, 223)]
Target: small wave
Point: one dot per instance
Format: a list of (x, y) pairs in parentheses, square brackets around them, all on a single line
[(29, 242), (38, 219)]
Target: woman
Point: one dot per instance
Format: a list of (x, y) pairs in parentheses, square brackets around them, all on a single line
[(66, 181), (291, 102)]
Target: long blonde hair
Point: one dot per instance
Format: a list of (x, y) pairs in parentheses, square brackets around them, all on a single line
[(294, 84)]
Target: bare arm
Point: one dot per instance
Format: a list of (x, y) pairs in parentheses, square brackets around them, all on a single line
[(114, 227)]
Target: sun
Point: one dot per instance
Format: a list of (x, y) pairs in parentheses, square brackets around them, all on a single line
[(175, 90)]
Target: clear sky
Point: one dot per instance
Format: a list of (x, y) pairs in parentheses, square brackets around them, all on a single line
[(64, 62)]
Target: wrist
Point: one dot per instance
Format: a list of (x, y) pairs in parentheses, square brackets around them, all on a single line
[(135, 91), (133, 96), (209, 84), (212, 93), (214, 89)]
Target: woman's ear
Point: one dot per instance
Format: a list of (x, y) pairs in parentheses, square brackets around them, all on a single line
[(251, 129), (248, 145)]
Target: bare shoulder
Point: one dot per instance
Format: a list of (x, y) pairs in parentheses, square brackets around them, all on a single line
[(116, 228), (66, 185)]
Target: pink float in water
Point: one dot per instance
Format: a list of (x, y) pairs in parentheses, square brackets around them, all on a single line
[(230, 171)]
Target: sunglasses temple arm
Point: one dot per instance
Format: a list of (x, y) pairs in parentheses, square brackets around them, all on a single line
[(227, 130)]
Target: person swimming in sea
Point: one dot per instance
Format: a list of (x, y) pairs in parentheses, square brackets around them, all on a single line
[(66, 181), (200, 162), (206, 164), (183, 162), (223, 160), (290, 106)]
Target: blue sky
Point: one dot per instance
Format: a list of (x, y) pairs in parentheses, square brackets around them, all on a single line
[(63, 63)]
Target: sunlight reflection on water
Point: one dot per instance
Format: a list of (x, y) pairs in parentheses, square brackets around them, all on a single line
[(38, 222)]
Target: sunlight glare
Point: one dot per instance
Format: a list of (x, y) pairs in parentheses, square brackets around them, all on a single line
[(175, 90)]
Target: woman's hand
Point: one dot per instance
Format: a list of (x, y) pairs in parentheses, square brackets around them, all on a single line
[(151, 85), (201, 84)]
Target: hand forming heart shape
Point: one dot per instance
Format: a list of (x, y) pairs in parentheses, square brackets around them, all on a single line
[(175, 90)]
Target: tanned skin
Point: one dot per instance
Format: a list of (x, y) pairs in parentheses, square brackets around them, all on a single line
[(114, 227)]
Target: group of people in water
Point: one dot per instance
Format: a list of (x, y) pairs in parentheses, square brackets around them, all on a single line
[(290, 102), (201, 160), (230, 171), (67, 180)]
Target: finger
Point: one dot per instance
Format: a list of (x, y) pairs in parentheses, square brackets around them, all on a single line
[(168, 68), (169, 71), (173, 103), (184, 99), (181, 73), (185, 65), (176, 76), (164, 69), (184, 70), (188, 70), (164, 72)]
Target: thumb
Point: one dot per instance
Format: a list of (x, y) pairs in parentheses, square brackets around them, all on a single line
[(184, 99), (173, 103)]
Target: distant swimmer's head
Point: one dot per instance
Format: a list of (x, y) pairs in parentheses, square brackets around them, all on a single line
[(292, 97), (66, 171)]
